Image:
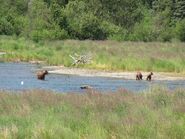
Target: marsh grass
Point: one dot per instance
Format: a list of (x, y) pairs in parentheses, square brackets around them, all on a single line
[(109, 55), (37, 114)]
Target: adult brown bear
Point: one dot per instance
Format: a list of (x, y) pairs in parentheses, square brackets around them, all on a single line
[(41, 74), (149, 76), (139, 76)]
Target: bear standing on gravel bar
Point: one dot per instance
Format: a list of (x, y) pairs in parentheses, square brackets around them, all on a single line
[(139, 76), (41, 74), (149, 76)]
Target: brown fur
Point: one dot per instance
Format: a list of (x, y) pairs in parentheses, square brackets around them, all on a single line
[(149, 76), (41, 74), (139, 76)]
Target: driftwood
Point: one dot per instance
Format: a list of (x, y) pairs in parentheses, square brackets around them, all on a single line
[(2, 53), (36, 62), (81, 59)]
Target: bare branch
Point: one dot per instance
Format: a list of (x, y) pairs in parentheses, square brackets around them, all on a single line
[(81, 59)]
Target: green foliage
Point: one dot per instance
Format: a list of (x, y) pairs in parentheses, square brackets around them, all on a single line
[(125, 13), (125, 20), (109, 55), (167, 35), (12, 25), (180, 30), (91, 28), (179, 10), (145, 30), (82, 23), (6, 27)]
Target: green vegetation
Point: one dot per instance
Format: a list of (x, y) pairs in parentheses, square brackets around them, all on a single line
[(109, 55), (51, 30), (41, 30), (130, 20), (37, 114)]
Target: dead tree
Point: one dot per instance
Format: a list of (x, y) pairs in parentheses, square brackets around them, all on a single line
[(81, 59)]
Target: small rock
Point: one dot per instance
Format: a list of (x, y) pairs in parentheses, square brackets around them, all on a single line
[(86, 87)]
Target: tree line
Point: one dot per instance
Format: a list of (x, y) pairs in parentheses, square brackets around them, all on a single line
[(123, 20)]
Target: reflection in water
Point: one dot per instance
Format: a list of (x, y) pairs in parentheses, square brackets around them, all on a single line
[(18, 76)]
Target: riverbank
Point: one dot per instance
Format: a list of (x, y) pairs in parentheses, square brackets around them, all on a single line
[(104, 55), (112, 74)]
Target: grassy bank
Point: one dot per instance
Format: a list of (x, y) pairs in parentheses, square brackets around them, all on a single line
[(36, 114), (110, 55)]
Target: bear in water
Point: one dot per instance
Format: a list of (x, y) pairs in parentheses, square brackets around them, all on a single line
[(41, 74)]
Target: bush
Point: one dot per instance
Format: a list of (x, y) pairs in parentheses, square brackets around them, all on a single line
[(114, 32), (144, 31), (90, 28), (81, 23), (166, 35), (180, 30), (6, 27), (11, 23)]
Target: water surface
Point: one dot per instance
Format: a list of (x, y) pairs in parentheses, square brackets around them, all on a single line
[(12, 74)]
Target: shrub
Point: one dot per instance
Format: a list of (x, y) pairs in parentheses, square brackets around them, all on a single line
[(6, 27), (166, 35), (180, 30), (90, 28), (144, 31)]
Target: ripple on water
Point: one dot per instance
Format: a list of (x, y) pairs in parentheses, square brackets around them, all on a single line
[(18, 76)]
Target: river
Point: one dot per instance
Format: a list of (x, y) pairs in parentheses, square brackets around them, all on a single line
[(21, 76)]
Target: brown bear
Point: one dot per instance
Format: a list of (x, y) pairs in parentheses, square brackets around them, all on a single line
[(41, 74), (139, 76), (149, 76)]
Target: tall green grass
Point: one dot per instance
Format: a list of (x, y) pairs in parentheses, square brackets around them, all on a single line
[(36, 114), (109, 55)]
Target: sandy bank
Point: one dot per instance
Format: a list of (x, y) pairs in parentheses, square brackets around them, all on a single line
[(100, 73)]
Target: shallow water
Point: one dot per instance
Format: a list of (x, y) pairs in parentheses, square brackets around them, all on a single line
[(20, 76)]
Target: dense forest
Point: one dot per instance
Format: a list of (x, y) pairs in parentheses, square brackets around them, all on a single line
[(123, 20)]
